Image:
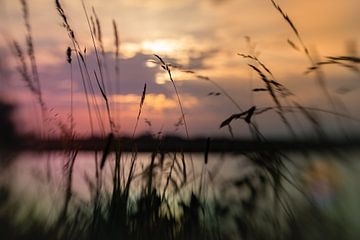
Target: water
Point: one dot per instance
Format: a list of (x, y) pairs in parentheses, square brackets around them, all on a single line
[(31, 171), (37, 180)]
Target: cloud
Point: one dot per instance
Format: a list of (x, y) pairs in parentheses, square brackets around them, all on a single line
[(155, 102)]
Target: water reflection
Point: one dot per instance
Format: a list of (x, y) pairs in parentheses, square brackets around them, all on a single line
[(316, 189)]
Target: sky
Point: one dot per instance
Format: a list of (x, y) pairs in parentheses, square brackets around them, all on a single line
[(201, 36)]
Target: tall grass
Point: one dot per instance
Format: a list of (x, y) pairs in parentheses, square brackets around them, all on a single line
[(320, 78)]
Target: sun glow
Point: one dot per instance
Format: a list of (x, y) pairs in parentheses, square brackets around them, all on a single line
[(177, 75), (155, 102), (160, 46)]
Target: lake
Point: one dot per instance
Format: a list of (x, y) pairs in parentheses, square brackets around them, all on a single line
[(329, 179)]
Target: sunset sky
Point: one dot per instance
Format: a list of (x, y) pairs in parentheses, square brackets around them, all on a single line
[(203, 36)]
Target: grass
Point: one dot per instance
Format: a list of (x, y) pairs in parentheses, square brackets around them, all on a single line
[(166, 207)]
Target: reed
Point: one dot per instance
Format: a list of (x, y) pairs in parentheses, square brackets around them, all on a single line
[(31, 55), (319, 75), (117, 67), (76, 48), (166, 67)]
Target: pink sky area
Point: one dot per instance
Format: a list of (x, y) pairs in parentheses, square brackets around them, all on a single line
[(201, 36)]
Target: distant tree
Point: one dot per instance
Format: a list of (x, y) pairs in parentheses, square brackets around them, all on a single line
[(8, 133)]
